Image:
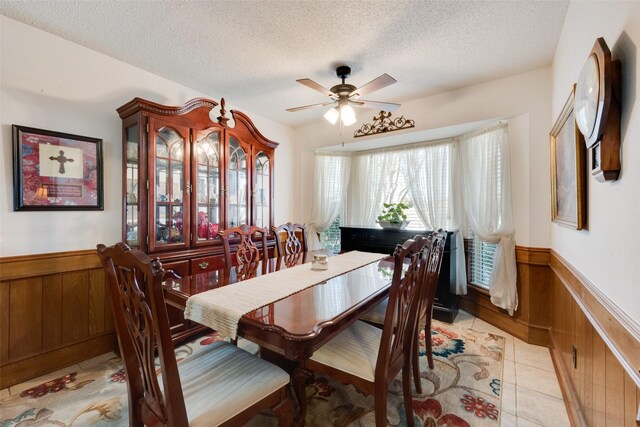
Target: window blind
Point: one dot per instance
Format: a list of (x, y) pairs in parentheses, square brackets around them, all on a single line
[(480, 261)]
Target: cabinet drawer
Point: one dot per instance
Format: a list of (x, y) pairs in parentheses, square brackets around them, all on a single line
[(208, 263), (181, 268)]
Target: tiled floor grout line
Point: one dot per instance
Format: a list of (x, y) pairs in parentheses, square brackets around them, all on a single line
[(541, 392)]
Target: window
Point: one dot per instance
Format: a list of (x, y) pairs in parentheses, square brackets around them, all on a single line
[(480, 253), (400, 193), (418, 176), (330, 238), (479, 261)]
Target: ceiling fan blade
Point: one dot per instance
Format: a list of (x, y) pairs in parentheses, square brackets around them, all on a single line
[(304, 107), (317, 87), (375, 84), (375, 105)]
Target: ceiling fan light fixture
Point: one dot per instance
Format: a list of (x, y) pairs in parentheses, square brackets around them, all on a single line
[(343, 94), (332, 115), (347, 115)]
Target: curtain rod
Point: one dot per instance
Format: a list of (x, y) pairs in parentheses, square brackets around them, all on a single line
[(413, 145), (489, 128)]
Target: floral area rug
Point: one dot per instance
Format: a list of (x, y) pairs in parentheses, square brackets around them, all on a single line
[(462, 390)]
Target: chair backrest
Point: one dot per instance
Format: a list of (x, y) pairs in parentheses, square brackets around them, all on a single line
[(432, 274), (400, 319), (290, 245), (142, 323), (247, 253)]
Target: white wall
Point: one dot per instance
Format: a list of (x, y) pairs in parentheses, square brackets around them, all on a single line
[(523, 98), (50, 83), (606, 253)]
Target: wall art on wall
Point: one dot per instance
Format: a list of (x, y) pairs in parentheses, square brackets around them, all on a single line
[(568, 165), (56, 171)]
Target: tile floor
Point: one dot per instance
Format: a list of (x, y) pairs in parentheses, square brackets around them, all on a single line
[(531, 394)]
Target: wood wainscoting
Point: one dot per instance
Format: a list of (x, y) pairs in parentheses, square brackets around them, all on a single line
[(530, 322), (54, 312), (601, 382), (561, 309)]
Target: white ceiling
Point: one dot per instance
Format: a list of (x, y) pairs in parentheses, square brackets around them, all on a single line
[(252, 51)]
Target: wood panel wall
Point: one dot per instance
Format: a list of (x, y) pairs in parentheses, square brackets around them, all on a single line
[(560, 308), (530, 322), (603, 386), (54, 312)]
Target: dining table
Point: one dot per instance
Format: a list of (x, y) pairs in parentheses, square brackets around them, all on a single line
[(289, 329)]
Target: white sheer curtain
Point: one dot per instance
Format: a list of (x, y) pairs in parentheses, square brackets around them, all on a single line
[(486, 185), (330, 180), (373, 176), (434, 188)]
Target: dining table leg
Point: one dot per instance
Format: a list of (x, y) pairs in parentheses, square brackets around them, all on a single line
[(300, 377), (299, 380)]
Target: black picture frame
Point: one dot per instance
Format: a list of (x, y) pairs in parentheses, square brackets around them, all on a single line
[(56, 171)]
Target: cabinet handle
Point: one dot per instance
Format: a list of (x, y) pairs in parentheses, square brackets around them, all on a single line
[(203, 265)]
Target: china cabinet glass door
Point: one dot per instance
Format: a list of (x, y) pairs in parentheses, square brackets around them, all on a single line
[(262, 190), (236, 185), (207, 185), (132, 206), (170, 209)]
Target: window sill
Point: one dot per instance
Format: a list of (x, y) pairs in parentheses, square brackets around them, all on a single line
[(478, 289)]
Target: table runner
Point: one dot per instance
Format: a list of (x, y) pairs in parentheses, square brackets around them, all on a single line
[(222, 308)]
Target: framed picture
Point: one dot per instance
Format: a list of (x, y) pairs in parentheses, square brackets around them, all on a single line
[(56, 171), (568, 166)]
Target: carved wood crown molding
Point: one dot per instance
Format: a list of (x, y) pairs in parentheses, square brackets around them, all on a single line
[(137, 104), (242, 121), (241, 118), (383, 123)]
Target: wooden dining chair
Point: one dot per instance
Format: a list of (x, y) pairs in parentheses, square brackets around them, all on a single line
[(248, 255), (290, 244), (220, 385), (425, 308), (376, 315), (370, 358)]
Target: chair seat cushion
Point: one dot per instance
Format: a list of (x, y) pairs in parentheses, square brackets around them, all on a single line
[(223, 380), (377, 314), (354, 350)]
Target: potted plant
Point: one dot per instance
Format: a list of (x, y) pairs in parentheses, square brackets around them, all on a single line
[(393, 216)]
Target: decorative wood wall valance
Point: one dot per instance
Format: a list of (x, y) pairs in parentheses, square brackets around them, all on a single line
[(383, 123)]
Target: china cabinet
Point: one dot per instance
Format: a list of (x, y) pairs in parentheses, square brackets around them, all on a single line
[(187, 176)]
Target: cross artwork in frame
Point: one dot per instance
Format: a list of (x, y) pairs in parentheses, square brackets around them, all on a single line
[(568, 166), (56, 171)]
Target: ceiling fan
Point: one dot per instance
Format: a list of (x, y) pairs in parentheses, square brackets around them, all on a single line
[(344, 95)]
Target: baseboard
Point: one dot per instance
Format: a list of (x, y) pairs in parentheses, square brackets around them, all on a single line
[(16, 372), (569, 395), (481, 307)]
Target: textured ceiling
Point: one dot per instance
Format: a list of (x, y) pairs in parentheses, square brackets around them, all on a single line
[(251, 52)]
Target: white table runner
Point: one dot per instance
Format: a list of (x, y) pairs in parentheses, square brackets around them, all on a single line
[(222, 308)]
